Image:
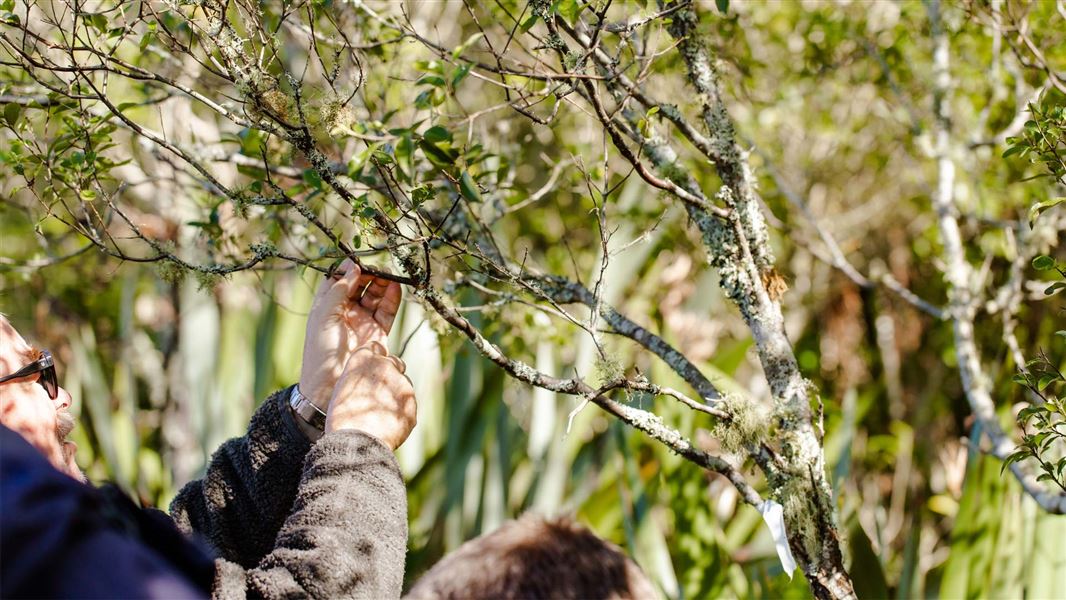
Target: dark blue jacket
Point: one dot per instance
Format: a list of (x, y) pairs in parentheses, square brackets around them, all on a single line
[(281, 517), (63, 539)]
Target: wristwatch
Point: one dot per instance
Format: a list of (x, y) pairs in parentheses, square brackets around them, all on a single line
[(307, 411)]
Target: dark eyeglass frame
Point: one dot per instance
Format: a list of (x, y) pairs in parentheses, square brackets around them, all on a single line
[(44, 365)]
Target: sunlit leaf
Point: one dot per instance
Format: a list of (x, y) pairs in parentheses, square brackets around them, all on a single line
[(1039, 207), (1043, 263)]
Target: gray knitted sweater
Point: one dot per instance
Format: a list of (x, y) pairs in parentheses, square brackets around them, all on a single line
[(291, 519)]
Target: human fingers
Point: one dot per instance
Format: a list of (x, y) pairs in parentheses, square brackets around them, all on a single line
[(364, 282), (342, 269), (373, 293), (409, 411), (363, 356), (398, 362), (342, 284), (389, 305)]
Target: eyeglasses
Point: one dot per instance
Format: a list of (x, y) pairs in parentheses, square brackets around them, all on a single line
[(46, 367)]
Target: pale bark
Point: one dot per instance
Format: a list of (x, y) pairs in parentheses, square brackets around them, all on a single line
[(741, 252), (963, 301)]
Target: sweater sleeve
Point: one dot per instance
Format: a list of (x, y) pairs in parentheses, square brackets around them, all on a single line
[(346, 536), (248, 490)]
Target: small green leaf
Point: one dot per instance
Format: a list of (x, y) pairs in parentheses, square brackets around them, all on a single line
[(251, 142), (1040, 207), (439, 157), (359, 204), (423, 99), (1026, 413), (1051, 289), (420, 194), (468, 188), (460, 74), (405, 150), (437, 134), (99, 21), (433, 80), (1013, 458), (569, 10), (432, 66), (463, 47), (528, 24), (312, 179), (11, 113), (1044, 381), (1017, 149), (722, 5), (383, 157), (1043, 263)]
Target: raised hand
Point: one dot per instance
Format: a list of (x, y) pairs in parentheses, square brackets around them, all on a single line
[(350, 309)]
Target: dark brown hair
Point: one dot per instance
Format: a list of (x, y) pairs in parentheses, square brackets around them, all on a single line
[(535, 558)]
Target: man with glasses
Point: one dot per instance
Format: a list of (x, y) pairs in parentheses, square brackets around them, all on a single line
[(309, 503), (42, 418)]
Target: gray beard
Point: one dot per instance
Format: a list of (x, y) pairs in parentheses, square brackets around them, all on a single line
[(64, 424)]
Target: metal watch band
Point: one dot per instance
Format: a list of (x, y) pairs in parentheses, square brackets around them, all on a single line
[(306, 410)]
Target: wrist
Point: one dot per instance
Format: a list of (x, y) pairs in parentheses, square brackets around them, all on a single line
[(381, 430), (310, 419), (318, 395)]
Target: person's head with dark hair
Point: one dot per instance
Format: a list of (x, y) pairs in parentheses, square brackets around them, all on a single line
[(535, 558)]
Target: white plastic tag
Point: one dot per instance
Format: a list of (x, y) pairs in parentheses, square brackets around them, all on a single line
[(774, 515)]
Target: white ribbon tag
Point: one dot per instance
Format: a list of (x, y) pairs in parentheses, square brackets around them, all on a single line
[(774, 515)]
